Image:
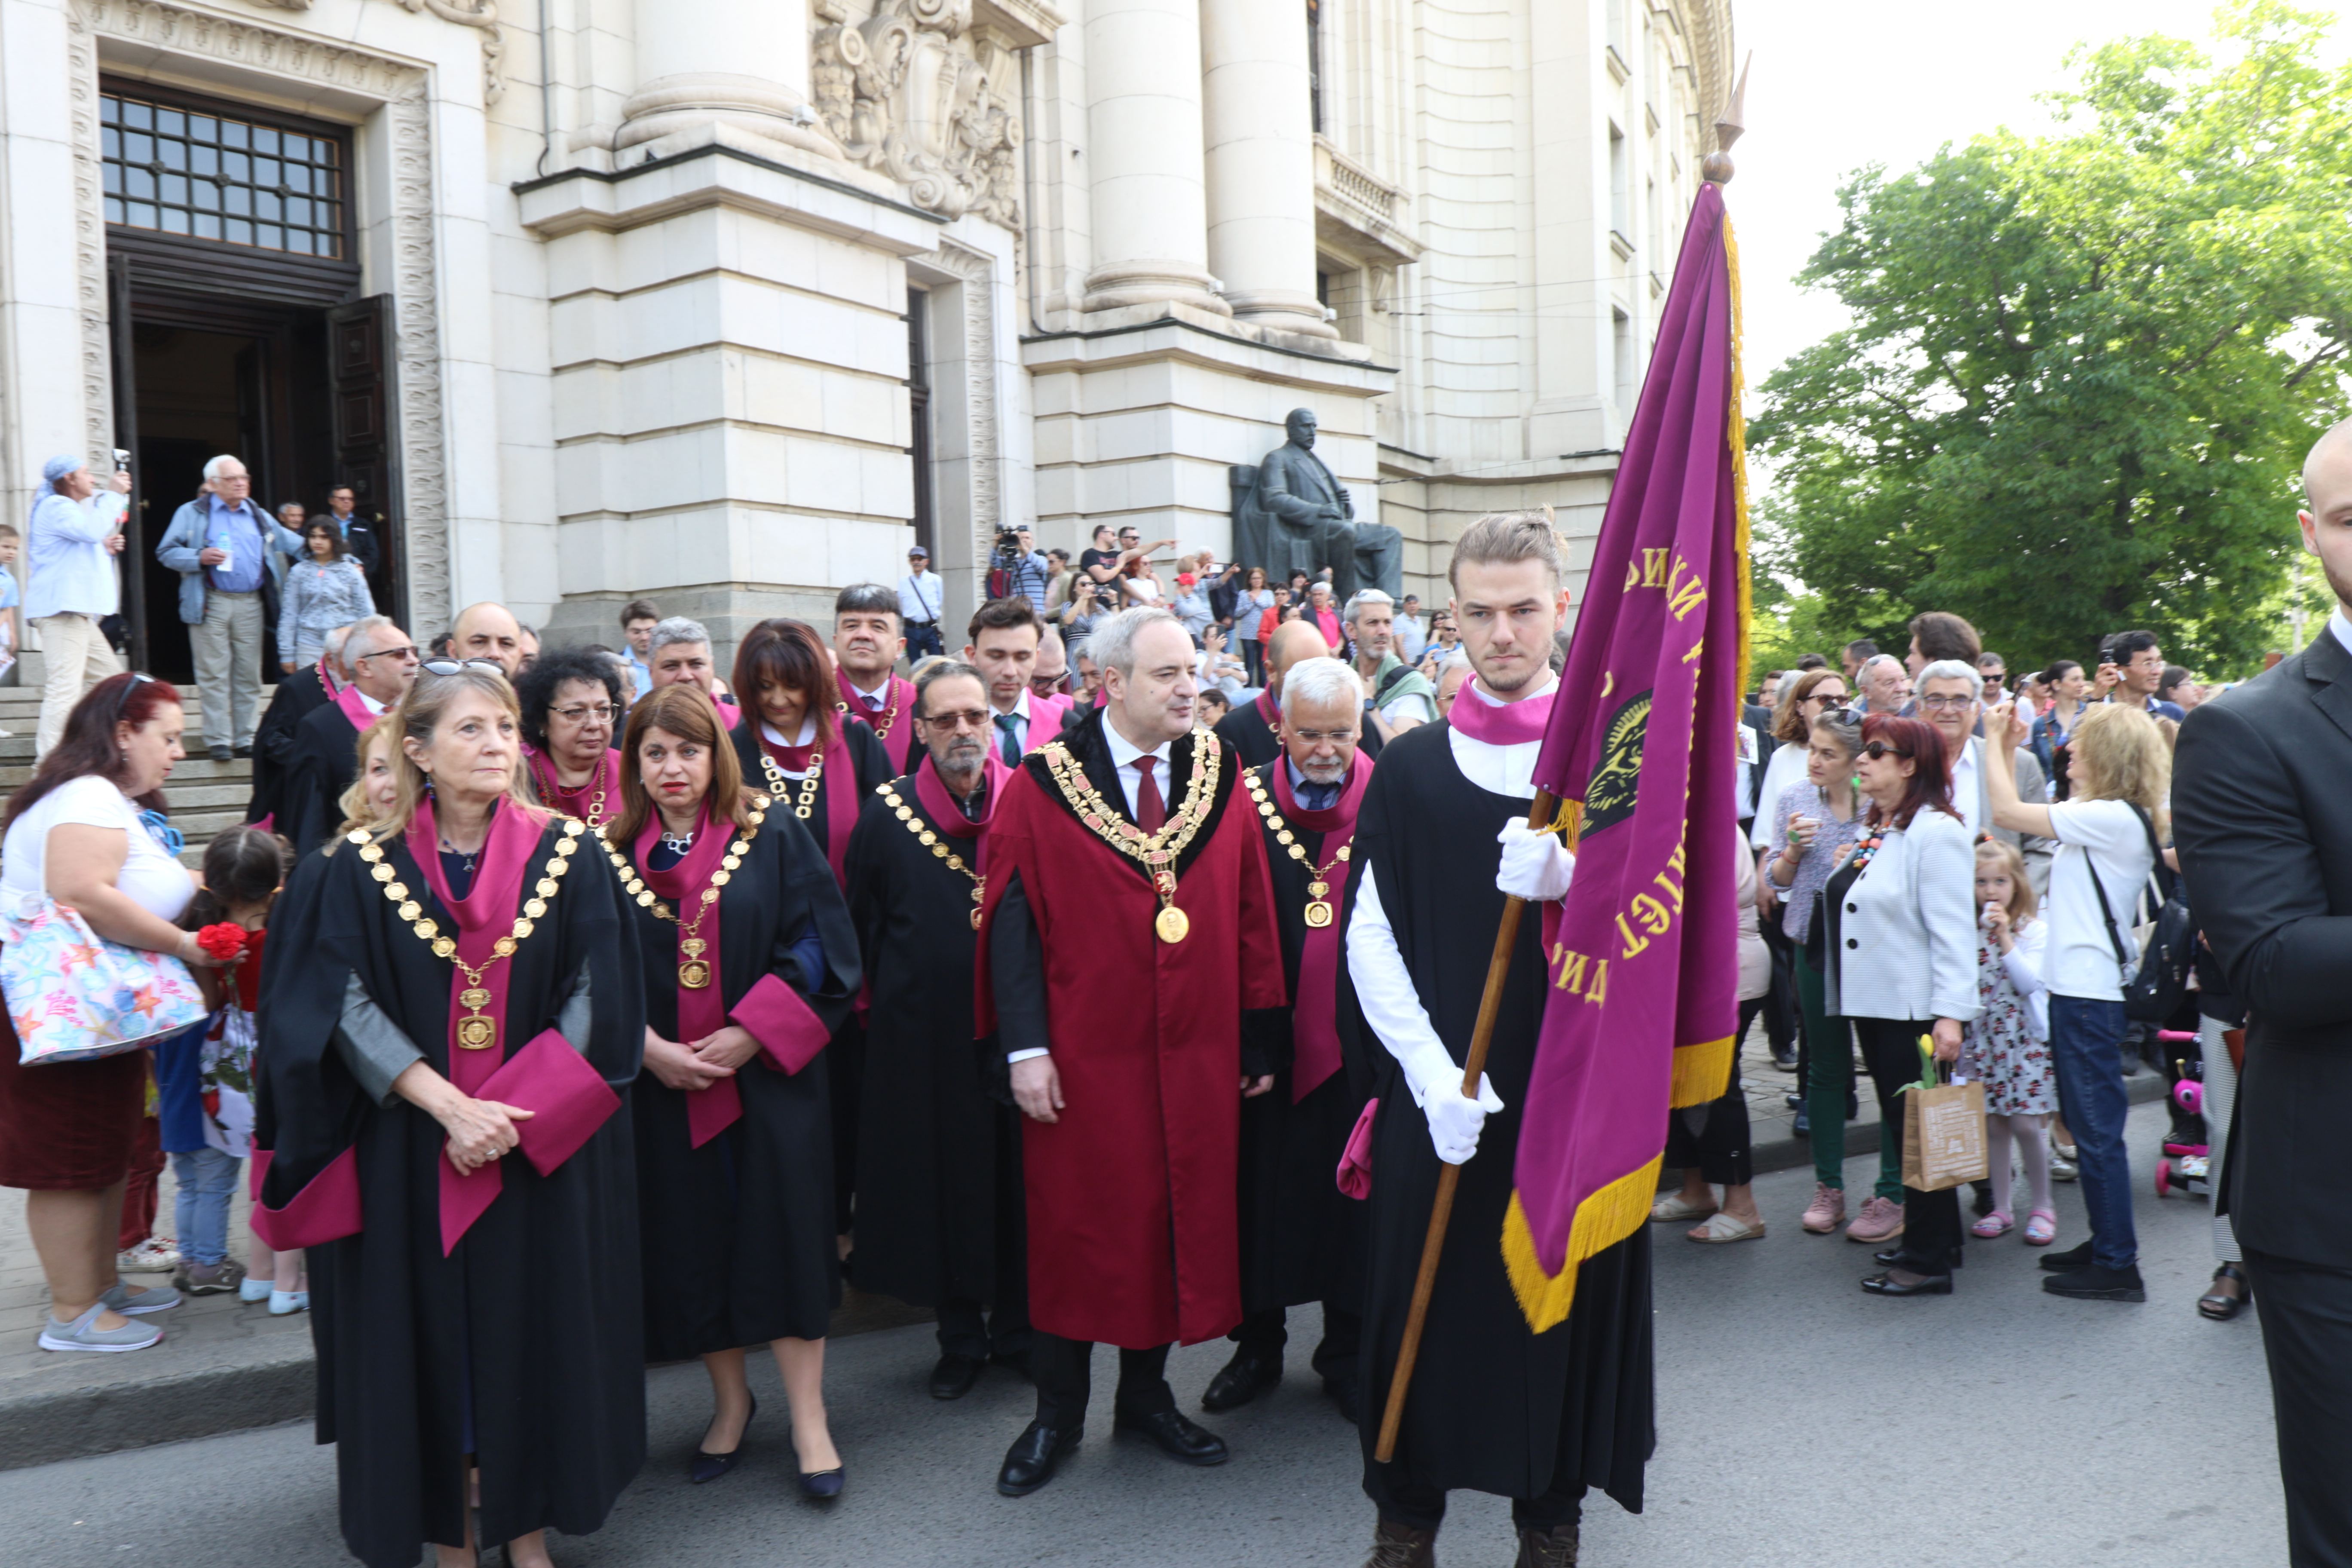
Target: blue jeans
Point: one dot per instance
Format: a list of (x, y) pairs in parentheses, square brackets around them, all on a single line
[(2085, 1040), (207, 1180)]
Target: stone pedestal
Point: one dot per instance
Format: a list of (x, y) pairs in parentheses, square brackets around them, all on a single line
[(1260, 167)]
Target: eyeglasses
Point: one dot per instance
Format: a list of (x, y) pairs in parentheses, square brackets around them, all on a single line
[(1945, 702), (969, 719), (452, 666), (407, 651), (608, 711), (1879, 751), (1046, 685)]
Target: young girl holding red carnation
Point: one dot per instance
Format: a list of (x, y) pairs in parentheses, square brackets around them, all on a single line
[(205, 1081)]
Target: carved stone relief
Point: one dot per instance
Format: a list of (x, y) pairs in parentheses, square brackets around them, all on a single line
[(921, 94)]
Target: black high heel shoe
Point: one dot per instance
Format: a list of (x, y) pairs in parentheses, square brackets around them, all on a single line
[(823, 1486), (705, 1467)]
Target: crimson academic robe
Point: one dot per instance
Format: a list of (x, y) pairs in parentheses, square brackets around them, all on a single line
[(1302, 1239), (938, 1177), (1253, 731), (1132, 1205), (894, 726)]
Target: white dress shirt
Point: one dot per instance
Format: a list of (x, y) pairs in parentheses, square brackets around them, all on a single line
[(2341, 627), (918, 597), (1384, 986), (876, 700), (1967, 787), (71, 571), (1123, 753)]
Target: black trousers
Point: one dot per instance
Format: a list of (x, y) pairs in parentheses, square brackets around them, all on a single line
[(1719, 1144), (2308, 1334), (1931, 1221), (1335, 1357), (1064, 1370), (922, 639), (1423, 1507), (967, 1328), (1783, 1019)]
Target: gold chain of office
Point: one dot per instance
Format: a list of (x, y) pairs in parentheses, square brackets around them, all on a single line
[(930, 839), (781, 788), (477, 1031), (1318, 879), (1158, 851), (693, 969)]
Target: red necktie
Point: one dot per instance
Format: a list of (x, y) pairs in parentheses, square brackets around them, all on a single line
[(1150, 811)]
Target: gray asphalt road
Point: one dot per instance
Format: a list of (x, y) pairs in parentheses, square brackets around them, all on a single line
[(1801, 1423)]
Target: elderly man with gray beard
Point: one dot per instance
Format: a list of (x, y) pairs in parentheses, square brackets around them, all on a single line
[(939, 1150)]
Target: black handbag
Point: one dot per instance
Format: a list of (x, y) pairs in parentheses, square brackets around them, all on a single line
[(2154, 992)]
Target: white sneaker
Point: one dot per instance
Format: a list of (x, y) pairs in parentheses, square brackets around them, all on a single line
[(252, 1290), (284, 1302), (156, 1255), (2063, 1170)]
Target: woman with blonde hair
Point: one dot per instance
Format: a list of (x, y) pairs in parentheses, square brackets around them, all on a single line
[(453, 985), (2107, 833), (750, 965)]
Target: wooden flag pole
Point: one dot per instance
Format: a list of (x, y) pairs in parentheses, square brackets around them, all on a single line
[(1499, 968)]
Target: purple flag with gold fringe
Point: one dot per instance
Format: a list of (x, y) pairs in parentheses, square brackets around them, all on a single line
[(1642, 751)]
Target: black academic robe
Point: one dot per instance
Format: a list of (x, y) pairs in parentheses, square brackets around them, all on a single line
[(322, 762), (739, 1234), (536, 1311), (837, 800), (938, 1178), (297, 697), (1251, 734), (1492, 1408), (1302, 1239)]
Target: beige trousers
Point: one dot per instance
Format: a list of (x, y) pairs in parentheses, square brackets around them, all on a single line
[(77, 656), (228, 645)]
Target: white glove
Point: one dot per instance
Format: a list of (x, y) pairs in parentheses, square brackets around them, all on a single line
[(1454, 1120), (1535, 864)]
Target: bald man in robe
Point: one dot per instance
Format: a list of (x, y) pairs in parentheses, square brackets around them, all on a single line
[(1255, 729), (488, 631)]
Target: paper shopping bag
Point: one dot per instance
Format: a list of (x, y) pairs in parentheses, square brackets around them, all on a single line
[(1943, 1136)]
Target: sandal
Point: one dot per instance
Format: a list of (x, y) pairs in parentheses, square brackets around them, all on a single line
[(1993, 1223), (1721, 1227), (1672, 1207), (2220, 1305), (2041, 1227)]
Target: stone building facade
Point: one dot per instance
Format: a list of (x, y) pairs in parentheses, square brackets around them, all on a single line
[(727, 302)]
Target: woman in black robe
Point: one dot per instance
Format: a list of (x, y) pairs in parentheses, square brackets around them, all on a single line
[(750, 964), (794, 744), (474, 1313)]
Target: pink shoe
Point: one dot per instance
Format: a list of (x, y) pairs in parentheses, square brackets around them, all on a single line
[(1827, 1211), (1881, 1221), (1992, 1225), (2040, 1228)]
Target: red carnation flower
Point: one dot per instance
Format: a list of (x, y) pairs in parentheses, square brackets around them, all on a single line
[(224, 941)]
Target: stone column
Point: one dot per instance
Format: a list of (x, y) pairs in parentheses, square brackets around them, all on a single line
[(1143, 117), (1261, 162), (690, 60)]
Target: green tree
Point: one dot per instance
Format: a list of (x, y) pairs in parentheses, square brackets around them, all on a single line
[(2083, 367)]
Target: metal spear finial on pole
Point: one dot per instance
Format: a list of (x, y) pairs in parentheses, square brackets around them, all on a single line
[(1718, 167)]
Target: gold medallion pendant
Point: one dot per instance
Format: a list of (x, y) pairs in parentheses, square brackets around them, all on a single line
[(694, 974), (477, 1034), (1318, 914), (1172, 924)]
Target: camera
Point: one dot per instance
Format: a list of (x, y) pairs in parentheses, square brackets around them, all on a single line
[(1007, 554)]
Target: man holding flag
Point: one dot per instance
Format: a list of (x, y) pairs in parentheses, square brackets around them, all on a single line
[(1507, 1334)]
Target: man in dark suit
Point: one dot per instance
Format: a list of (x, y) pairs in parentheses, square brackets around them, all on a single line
[(2263, 824), (1299, 498)]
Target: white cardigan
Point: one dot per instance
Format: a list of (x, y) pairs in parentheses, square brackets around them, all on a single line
[(1906, 936)]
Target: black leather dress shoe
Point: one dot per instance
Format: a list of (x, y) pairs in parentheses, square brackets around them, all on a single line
[(1250, 1373), (1177, 1438), (1035, 1455), (955, 1375), (1923, 1285), (1342, 1391)]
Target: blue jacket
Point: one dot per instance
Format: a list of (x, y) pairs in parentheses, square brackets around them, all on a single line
[(182, 546)]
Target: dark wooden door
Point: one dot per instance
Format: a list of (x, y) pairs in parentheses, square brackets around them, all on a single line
[(135, 549), (362, 393)]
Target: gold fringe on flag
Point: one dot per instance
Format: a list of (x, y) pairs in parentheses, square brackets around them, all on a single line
[(1602, 1220), (1702, 1072)]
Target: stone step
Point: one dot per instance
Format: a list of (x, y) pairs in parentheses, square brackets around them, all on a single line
[(196, 770)]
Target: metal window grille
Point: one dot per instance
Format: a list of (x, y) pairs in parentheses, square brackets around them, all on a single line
[(181, 172)]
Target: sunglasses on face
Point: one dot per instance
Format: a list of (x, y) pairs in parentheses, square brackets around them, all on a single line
[(1879, 751)]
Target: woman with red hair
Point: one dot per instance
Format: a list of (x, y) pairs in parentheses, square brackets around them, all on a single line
[(1901, 930)]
